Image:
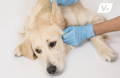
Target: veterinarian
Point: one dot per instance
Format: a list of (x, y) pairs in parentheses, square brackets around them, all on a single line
[(76, 35)]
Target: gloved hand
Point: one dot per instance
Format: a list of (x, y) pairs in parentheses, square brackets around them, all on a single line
[(76, 35), (66, 2)]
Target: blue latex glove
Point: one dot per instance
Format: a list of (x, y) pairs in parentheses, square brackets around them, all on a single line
[(76, 35), (66, 2)]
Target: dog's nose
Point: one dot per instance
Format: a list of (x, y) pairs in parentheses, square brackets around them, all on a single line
[(52, 69)]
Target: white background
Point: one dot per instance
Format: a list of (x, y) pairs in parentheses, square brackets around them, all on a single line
[(83, 62)]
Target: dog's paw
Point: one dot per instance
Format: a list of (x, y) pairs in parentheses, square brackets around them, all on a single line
[(110, 56)]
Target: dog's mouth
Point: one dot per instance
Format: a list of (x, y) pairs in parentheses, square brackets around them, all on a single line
[(55, 74)]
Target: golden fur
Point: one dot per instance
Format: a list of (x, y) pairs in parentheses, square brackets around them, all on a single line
[(45, 25)]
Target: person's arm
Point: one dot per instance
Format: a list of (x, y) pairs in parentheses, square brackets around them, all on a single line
[(107, 26), (76, 35)]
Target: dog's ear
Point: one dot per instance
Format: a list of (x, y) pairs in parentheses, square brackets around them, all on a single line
[(25, 49), (56, 15)]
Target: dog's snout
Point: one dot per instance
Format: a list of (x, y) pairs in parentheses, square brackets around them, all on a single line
[(52, 69)]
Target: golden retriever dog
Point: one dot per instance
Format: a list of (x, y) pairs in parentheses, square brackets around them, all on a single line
[(42, 36)]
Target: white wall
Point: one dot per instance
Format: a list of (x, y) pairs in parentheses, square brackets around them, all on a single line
[(83, 62)]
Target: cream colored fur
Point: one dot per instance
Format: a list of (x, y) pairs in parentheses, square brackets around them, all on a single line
[(45, 25)]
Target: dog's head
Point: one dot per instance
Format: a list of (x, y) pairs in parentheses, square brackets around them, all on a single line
[(45, 43)]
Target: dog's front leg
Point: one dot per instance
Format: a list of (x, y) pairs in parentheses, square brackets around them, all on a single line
[(104, 50), (99, 42)]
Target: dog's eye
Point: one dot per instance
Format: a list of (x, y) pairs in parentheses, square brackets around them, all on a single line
[(52, 44), (38, 51)]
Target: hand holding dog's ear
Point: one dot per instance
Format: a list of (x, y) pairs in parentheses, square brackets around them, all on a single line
[(75, 36)]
